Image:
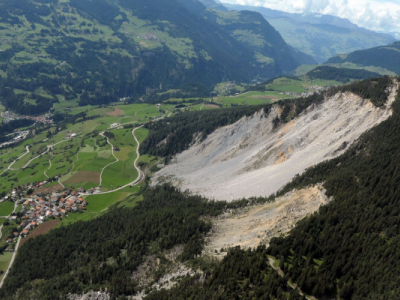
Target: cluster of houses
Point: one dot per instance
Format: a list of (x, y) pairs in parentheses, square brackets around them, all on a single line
[(57, 205), (314, 89), (10, 116), (18, 136), (149, 36), (70, 135), (37, 208)]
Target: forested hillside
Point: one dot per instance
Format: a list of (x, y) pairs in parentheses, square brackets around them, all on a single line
[(386, 57), (318, 35), (97, 52), (241, 275), (104, 252), (349, 249), (356, 236), (340, 74), (173, 135)]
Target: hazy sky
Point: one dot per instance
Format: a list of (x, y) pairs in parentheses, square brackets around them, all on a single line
[(378, 15)]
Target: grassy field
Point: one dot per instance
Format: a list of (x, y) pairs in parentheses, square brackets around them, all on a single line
[(249, 98), (5, 259), (86, 151), (6, 208), (98, 203)]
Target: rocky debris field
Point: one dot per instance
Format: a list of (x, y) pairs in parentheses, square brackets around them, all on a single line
[(257, 224), (251, 158)]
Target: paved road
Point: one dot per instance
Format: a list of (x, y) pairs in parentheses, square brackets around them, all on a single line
[(18, 158), (140, 173), (47, 150), (11, 262), (15, 250)]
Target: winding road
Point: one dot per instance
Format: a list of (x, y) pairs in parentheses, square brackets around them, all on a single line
[(27, 152), (47, 150), (18, 158), (135, 164)]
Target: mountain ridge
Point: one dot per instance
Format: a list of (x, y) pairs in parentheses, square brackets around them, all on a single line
[(96, 54), (321, 36)]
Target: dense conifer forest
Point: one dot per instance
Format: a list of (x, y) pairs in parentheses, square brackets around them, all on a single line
[(340, 74), (104, 252), (241, 275), (356, 236)]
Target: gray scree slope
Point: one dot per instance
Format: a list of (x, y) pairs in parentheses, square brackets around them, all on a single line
[(251, 158)]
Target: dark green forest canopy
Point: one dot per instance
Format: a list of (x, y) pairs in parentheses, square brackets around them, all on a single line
[(76, 258), (240, 275), (355, 237), (340, 74)]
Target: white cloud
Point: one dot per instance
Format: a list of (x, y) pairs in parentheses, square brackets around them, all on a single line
[(378, 15)]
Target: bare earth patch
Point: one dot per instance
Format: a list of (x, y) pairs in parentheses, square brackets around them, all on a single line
[(115, 113), (49, 189), (251, 226), (211, 106), (41, 229), (269, 97), (84, 176)]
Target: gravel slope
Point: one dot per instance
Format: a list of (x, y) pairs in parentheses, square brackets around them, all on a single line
[(251, 158)]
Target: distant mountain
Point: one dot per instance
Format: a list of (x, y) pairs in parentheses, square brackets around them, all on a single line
[(214, 5), (321, 36), (386, 57), (99, 51), (52, 50)]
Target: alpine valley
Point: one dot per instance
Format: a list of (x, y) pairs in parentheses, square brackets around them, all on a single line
[(185, 149)]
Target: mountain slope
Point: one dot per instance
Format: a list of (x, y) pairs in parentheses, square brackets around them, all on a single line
[(97, 52), (253, 157), (250, 28), (321, 36), (386, 57), (354, 240)]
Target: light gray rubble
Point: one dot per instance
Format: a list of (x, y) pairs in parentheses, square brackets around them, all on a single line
[(251, 158)]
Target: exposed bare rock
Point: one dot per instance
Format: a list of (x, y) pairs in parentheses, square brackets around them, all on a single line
[(253, 225), (90, 296), (252, 158)]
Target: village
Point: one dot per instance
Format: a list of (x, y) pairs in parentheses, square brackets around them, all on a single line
[(314, 89), (18, 135), (40, 207), (8, 116)]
